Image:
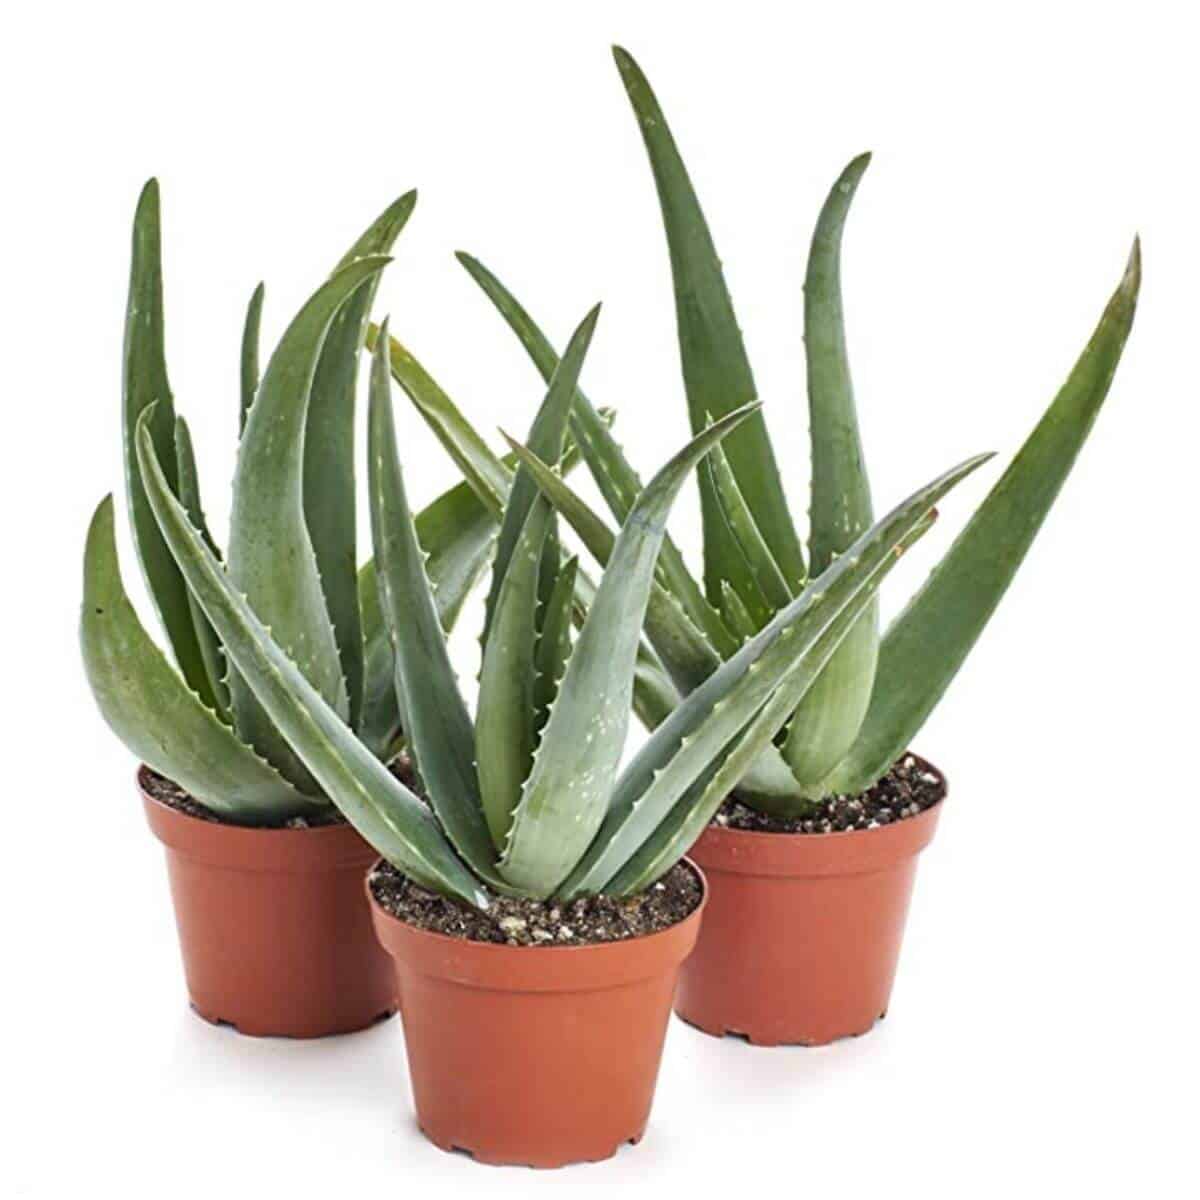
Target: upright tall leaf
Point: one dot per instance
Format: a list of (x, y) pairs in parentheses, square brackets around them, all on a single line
[(270, 554), (248, 372), (716, 371), (566, 794), (149, 706), (387, 814), (206, 637), (438, 726), (828, 720), (617, 480), (144, 378), (546, 440), (925, 646), (329, 504)]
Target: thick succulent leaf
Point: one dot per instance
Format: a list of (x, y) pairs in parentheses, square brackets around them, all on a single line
[(150, 708), (829, 719), (684, 748), (546, 439), (206, 637), (687, 820), (567, 792), (377, 804), (684, 650), (554, 643), (489, 478), (618, 482), (504, 721), (329, 493), (144, 383), (456, 534), (270, 555), (654, 695), (736, 615), (841, 493), (925, 646), (437, 724), (249, 360), (482, 470), (716, 372), (760, 563)]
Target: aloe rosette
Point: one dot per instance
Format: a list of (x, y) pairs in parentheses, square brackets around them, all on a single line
[(528, 797), (291, 550), (871, 698)]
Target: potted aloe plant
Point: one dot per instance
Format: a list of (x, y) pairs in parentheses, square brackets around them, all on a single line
[(532, 893), (266, 875), (812, 858)]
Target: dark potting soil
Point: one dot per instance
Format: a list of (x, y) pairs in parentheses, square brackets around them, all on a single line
[(908, 789), (516, 922), (173, 796)]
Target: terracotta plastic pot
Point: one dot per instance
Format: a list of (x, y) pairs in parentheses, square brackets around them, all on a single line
[(534, 1055), (802, 934), (275, 935)]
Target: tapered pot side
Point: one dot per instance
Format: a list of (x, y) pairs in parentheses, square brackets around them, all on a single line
[(532, 1055), (275, 935), (802, 933)]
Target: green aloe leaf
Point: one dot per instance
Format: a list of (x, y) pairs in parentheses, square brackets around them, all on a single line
[(481, 469), (567, 792), (249, 359), (828, 721), (456, 534), (489, 478), (329, 494), (145, 383), (618, 482), (687, 820), (687, 655), (925, 646), (437, 724), (379, 806), (504, 722), (716, 372), (206, 637), (270, 555), (799, 638), (737, 615), (546, 439), (763, 570), (554, 643), (149, 706)]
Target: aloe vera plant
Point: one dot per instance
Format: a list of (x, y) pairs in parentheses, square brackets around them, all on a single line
[(872, 696), (527, 798), (291, 549)]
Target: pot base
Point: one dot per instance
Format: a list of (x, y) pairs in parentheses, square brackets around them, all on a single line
[(254, 1029), (548, 1162), (766, 1036)]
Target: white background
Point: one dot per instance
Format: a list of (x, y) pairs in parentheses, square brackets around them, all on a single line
[(1042, 1033)]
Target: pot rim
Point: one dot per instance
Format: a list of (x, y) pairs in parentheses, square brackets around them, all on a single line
[(253, 847), (495, 966), (543, 951), (839, 852)]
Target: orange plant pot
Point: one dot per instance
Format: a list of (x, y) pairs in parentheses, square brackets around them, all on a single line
[(531, 1055), (275, 935), (802, 933)]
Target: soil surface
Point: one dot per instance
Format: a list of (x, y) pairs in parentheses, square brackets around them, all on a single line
[(173, 796), (909, 788), (517, 922)]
